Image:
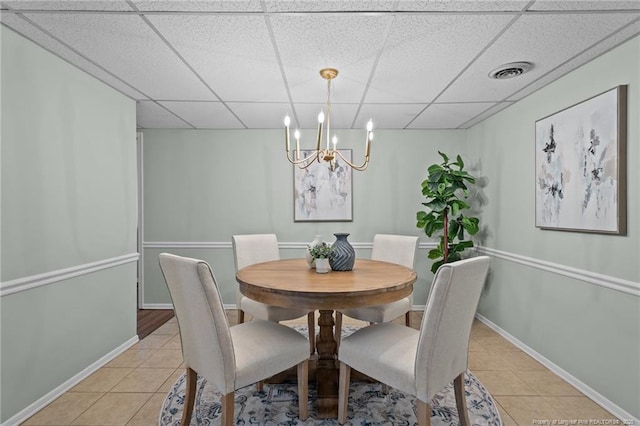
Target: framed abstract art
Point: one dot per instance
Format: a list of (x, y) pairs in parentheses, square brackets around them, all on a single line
[(321, 194), (580, 166)]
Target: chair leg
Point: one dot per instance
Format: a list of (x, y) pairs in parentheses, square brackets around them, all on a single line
[(190, 396), (311, 324), (240, 316), (227, 409), (343, 392), (461, 400), (260, 385), (407, 319), (303, 389), (424, 413), (338, 331)]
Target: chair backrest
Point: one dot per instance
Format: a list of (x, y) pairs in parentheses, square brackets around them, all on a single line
[(207, 347), (446, 325), (256, 248), (400, 249)]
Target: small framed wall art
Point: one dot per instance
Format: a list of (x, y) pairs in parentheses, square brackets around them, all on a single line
[(321, 194)]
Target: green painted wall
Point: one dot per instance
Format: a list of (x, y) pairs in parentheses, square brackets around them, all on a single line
[(207, 185), (588, 330), (68, 198)]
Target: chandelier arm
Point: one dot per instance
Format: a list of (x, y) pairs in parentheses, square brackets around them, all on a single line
[(353, 166), (307, 160)]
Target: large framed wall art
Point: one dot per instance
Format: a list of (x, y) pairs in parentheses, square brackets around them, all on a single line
[(581, 166), (321, 194)]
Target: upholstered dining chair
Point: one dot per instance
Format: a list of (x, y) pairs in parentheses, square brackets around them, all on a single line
[(400, 249), (227, 356), (257, 248), (421, 363)]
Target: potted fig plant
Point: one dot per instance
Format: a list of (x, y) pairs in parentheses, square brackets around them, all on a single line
[(321, 253), (445, 190)]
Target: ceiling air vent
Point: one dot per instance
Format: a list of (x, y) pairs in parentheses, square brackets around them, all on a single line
[(510, 70)]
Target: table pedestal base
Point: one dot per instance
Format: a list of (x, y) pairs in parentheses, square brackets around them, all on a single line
[(327, 367)]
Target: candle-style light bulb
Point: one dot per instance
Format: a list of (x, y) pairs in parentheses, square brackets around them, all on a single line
[(369, 126), (296, 134), (321, 117), (335, 141), (287, 121)]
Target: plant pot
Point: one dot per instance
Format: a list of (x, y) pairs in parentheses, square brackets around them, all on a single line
[(316, 242), (322, 266)]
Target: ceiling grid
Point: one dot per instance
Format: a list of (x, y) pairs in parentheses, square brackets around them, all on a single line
[(234, 64)]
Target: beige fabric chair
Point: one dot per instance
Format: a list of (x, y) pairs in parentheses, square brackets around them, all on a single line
[(421, 363), (398, 249), (229, 358), (258, 248)]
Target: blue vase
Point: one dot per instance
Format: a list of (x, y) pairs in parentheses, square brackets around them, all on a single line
[(343, 256)]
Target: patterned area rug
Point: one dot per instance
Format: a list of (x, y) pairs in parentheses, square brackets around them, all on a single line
[(277, 404)]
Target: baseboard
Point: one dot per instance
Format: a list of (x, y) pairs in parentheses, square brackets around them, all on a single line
[(599, 399), (157, 306), (170, 306), (45, 400)]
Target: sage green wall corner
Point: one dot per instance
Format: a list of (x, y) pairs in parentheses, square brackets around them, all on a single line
[(207, 185), (587, 329), (68, 200)]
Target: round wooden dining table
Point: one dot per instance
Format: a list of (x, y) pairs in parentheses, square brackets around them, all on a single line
[(291, 283)]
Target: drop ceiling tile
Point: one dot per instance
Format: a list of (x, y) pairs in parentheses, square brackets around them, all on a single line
[(387, 116), (336, 6), (150, 115), (342, 115), (529, 39), (204, 115), (34, 34), (102, 5), (486, 114), (585, 5), (424, 53), (200, 6), (601, 48), (463, 5), (308, 43), (448, 116), (127, 47), (261, 115), (233, 54)]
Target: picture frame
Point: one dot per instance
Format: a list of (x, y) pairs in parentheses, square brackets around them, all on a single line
[(581, 166), (323, 195)]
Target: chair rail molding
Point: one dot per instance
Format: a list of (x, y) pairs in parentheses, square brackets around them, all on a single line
[(227, 245), (614, 283), (39, 280)]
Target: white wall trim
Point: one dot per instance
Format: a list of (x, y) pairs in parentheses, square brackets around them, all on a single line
[(188, 244), (45, 400), (156, 306), (614, 283), (39, 280), (577, 383), (227, 245), (170, 306)]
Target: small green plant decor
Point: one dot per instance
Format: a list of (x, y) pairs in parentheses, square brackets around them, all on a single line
[(445, 190), (321, 251)]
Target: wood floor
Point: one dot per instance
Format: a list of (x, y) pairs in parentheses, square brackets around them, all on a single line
[(149, 320)]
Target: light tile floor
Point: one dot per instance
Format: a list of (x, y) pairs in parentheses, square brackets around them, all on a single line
[(130, 389)]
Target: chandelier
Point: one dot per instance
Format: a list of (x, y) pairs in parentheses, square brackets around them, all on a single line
[(328, 153)]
